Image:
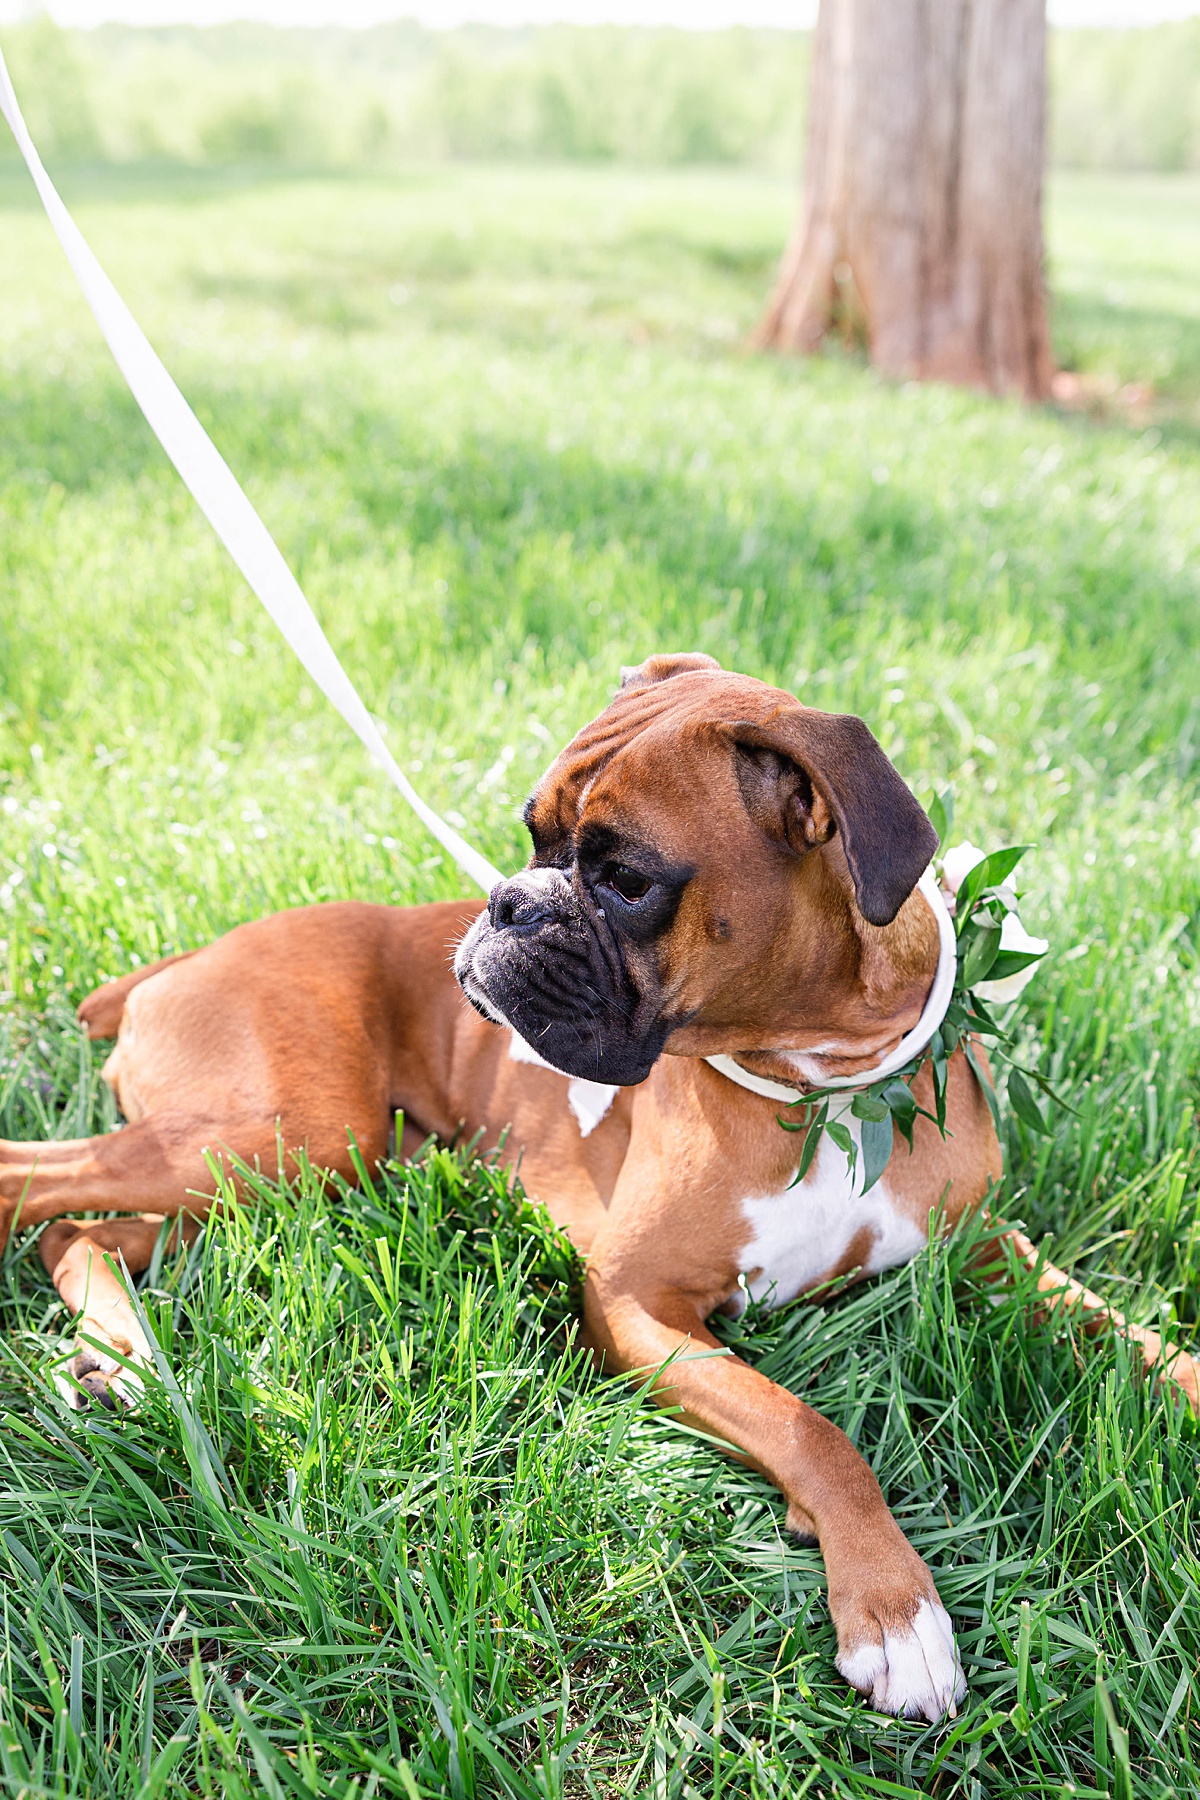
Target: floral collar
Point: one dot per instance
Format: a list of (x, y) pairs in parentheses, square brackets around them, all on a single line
[(986, 958), (910, 1046)]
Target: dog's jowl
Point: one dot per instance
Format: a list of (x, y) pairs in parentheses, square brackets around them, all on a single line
[(717, 870)]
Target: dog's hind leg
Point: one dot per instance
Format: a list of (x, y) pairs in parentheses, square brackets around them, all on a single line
[(1060, 1293), (101, 1012), (157, 1165), (82, 1258)]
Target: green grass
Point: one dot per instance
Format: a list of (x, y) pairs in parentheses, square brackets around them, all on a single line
[(385, 1532), (1125, 251)]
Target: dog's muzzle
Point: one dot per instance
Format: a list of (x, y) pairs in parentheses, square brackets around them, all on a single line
[(544, 961)]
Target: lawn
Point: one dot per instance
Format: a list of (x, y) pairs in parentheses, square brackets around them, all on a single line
[(385, 1532)]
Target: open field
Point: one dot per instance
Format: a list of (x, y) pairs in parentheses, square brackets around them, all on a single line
[(336, 98), (389, 1535)]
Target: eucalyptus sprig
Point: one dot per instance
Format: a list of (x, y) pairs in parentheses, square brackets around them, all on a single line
[(985, 897)]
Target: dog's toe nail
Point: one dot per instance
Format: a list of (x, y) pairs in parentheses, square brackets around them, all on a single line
[(96, 1387)]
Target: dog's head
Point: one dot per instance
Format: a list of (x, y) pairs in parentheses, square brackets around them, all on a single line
[(696, 848)]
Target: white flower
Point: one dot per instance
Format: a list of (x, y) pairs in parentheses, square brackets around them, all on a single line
[(958, 863), (1013, 936), (956, 866)]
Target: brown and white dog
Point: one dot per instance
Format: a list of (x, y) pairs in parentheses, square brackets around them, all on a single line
[(717, 870)]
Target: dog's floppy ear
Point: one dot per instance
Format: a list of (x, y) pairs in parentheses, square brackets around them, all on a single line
[(806, 775), (661, 668)]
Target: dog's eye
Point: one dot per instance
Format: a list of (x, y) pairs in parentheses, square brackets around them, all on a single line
[(628, 883)]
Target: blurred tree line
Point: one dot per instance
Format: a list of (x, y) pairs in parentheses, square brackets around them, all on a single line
[(346, 99)]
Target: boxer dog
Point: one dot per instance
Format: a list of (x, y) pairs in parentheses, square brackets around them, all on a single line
[(717, 870)]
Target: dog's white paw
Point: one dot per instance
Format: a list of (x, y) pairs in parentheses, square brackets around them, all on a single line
[(914, 1672)]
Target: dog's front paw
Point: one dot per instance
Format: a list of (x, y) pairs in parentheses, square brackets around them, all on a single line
[(1183, 1372), (895, 1640), (94, 1378), (911, 1670)]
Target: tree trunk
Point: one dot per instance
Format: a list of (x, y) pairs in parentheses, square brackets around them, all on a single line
[(922, 217)]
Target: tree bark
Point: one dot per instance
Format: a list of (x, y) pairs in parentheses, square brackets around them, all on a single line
[(922, 215)]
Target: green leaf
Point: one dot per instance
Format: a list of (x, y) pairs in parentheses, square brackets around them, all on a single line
[(941, 815), (938, 1065), (898, 1098), (1022, 1101), (992, 872), (864, 1107), (971, 885), (812, 1141), (1051, 1092), (1011, 962), (982, 949), (981, 1020), (876, 1148), (982, 1077), (1001, 863), (841, 1138)]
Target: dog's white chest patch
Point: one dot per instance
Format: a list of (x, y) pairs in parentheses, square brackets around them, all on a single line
[(801, 1235)]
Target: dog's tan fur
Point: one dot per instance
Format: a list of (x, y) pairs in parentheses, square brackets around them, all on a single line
[(326, 1021)]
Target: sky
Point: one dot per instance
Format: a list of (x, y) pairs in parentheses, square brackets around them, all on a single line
[(695, 14)]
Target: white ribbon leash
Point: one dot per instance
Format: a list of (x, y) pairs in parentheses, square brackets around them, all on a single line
[(220, 498), (219, 495)]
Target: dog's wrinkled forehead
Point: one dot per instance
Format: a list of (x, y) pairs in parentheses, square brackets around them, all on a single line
[(650, 738), (685, 745)]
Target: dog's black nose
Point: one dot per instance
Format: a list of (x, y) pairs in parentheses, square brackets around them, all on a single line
[(513, 906)]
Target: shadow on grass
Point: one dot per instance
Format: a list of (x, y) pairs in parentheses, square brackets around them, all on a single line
[(795, 569), (1135, 345)]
